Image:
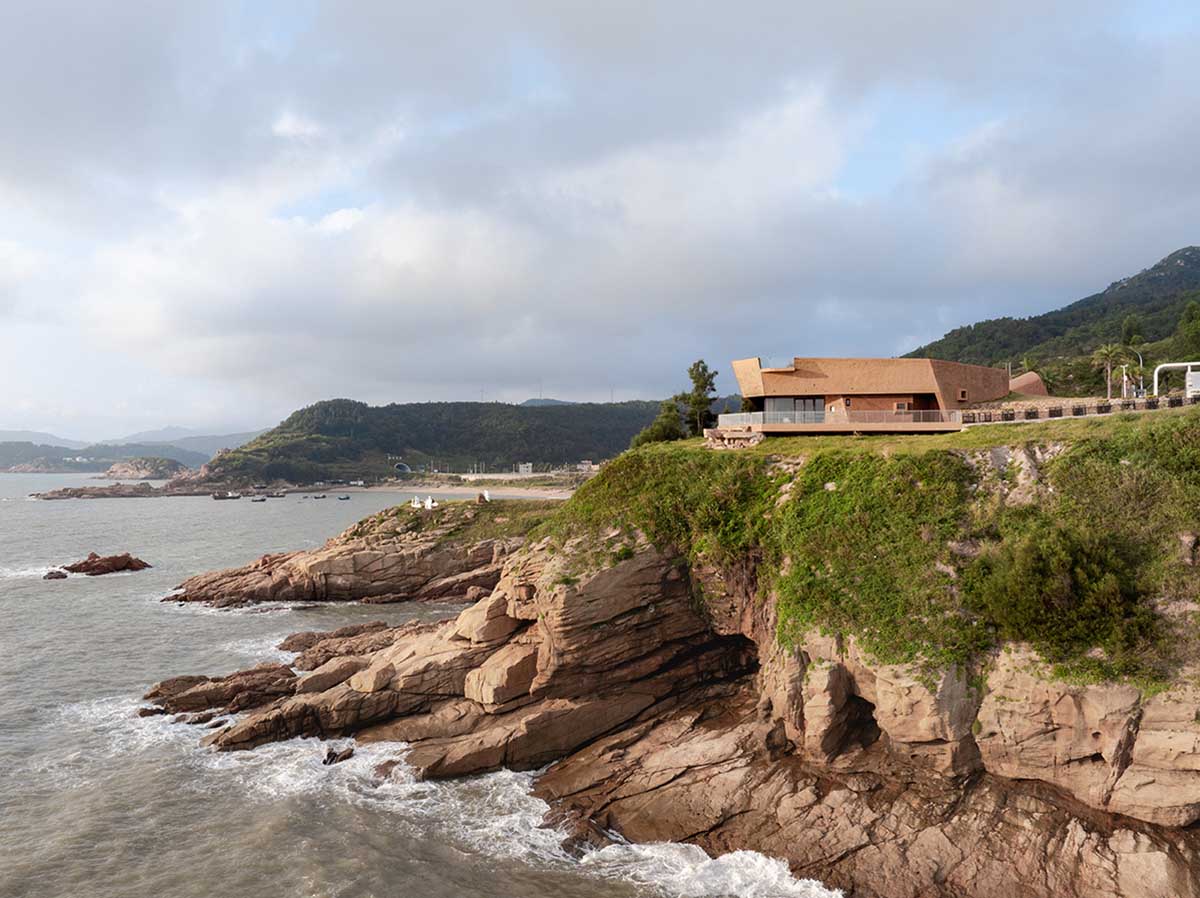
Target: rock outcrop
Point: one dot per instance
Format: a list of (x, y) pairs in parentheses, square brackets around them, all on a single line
[(666, 719), (401, 555), (148, 468), (95, 565)]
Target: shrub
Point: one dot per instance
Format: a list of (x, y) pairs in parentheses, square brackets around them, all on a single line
[(1063, 591)]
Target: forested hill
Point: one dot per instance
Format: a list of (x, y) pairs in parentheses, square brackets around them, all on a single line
[(344, 438), (1157, 296)]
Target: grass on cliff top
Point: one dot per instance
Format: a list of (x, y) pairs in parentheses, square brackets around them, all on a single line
[(906, 543), (467, 521)]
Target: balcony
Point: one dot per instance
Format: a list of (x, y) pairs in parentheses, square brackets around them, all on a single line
[(882, 421)]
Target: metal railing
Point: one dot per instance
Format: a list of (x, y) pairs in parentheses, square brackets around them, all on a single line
[(751, 419)]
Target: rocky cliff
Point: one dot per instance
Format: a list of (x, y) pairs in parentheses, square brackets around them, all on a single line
[(687, 678), (452, 553)]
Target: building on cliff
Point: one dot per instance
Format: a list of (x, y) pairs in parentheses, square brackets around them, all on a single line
[(812, 395)]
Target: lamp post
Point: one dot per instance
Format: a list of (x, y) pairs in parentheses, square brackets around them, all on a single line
[(1124, 382), (1141, 369)]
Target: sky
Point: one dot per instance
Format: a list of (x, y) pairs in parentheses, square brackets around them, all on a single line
[(213, 214)]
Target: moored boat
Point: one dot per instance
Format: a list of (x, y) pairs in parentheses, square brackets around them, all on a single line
[(228, 494)]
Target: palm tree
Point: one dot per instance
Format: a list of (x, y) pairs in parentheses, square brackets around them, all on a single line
[(1107, 357)]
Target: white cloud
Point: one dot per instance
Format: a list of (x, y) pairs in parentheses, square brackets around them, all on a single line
[(422, 201)]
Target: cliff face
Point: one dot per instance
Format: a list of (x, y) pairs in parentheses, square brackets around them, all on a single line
[(818, 659)]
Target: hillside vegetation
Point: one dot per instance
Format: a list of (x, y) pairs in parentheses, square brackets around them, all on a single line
[(1073, 536), (344, 438), (1061, 340)]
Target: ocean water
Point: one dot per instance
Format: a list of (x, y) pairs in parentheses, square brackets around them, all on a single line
[(95, 801)]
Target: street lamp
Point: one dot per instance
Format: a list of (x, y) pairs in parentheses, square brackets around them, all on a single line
[(1124, 382)]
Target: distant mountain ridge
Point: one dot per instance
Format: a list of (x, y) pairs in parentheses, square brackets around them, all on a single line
[(28, 456), (39, 438), (1156, 295)]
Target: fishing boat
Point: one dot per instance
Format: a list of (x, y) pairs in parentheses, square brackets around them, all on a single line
[(277, 494), (343, 498), (226, 495), (320, 496), (258, 498)]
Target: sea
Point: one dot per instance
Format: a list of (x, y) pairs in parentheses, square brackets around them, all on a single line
[(96, 802)]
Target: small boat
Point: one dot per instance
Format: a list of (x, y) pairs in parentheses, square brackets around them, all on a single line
[(320, 496), (278, 494), (226, 495), (258, 498), (343, 498)]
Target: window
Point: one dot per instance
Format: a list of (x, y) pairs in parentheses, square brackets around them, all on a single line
[(901, 406), (962, 395)]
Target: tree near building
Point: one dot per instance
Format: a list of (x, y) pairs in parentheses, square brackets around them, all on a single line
[(697, 403), (1108, 357), (663, 429)]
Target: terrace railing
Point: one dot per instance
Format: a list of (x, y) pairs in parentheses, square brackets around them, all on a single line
[(752, 419)]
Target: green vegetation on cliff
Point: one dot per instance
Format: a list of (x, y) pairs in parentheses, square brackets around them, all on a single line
[(343, 438), (1064, 534)]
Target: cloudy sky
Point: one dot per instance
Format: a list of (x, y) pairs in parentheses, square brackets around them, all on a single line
[(211, 214)]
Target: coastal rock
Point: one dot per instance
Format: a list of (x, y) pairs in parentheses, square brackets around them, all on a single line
[(95, 565), (404, 555), (54, 575), (235, 692), (665, 721), (146, 468)]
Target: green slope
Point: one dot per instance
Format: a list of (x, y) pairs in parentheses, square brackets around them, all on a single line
[(1157, 296)]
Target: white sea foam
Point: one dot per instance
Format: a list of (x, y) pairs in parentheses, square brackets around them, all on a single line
[(495, 814), (25, 573), (261, 649), (686, 871)]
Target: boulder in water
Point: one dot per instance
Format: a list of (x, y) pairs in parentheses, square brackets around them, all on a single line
[(333, 756), (55, 575), (95, 565)]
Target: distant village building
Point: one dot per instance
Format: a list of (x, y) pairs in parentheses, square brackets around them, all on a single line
[(525, 467), (816, 395)]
